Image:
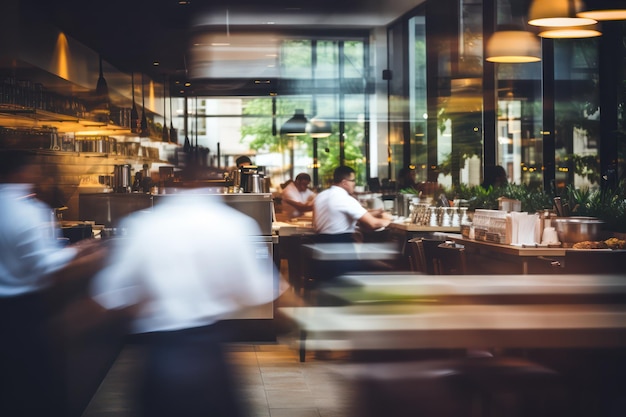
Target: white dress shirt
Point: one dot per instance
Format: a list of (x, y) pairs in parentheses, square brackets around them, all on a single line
[(292, 193), (336, 212), (29, 250), (189, 261)]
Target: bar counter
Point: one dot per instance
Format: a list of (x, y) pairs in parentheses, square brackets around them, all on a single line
[(497, 258)]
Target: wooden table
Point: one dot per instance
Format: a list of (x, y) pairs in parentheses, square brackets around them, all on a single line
[(351, 251), (517, 254), (477, 289), (412, 227), (574, 260), (402, 327)]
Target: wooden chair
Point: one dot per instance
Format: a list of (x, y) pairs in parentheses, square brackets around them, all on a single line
[(436, 257), (431, 255), (417, 260), (450, 259)]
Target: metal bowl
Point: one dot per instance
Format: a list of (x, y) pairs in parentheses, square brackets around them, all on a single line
[(577, 229)]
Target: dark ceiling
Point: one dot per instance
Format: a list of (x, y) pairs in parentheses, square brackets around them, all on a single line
[(132, 34)]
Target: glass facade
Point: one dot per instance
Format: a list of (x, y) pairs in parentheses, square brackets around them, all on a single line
[(448, 111)]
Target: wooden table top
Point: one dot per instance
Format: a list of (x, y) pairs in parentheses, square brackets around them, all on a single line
[(462, 326), (510, 249), (432, 285), (351, 251), (412, 227), (406, 287)]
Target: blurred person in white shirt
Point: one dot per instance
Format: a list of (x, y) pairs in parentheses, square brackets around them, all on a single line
[(297, 197), (187, 265), (38, 276), (336, 212)]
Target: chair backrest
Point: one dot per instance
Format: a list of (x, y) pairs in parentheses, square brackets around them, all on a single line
[(430, 255), (450, 259), (417, 260)]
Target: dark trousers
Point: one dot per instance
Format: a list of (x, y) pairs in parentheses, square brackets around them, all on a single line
[(31, 366), (187, 374)]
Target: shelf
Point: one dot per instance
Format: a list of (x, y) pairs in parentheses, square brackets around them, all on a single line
[(29, 118)]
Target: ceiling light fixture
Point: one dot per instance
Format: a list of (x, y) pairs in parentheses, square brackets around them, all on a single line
[(101, 108), (296, 125), (512, 45), (143, 131), (134, 116), (165, 137), (173, 132), (318, 127), (605, 10), (573, 32), (557, 13)]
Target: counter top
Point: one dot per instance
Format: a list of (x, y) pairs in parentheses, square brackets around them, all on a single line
[(412, 227), (511, 249), (292, 228), (462, 326), (533, 289), (351, 251)]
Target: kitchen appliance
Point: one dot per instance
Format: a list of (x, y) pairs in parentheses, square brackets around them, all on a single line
[(577, 229), (121, 178)]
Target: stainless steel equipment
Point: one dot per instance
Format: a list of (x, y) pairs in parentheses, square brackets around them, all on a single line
[(577, 229), (121, 178)]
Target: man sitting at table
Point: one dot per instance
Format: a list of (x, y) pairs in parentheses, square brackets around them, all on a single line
[(297, 197), (336, 212)]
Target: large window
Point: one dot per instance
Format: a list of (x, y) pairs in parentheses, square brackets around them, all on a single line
[(577, 112), (551, 106), (326, 79)]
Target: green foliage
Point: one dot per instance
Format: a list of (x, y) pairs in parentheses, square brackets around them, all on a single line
[(533, 199), (607, 204), (587, 166), (257, 133)]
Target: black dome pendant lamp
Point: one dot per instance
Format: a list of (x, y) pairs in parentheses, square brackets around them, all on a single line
[(134, 116), (165, 137), (173, 132), (144, 121)]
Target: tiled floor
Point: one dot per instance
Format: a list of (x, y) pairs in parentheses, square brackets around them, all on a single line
[(272, 381)]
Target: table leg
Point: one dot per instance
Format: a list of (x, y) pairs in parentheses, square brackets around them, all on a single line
[(302, 345)]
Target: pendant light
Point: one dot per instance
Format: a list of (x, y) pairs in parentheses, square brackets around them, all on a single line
[(134, 116), (604, 10), (173, 132), (296, 125), (144, 121), (165, 137), (101, 108), (557, 13), (274, 130), (510, 44), (318, 127), (571, 32)]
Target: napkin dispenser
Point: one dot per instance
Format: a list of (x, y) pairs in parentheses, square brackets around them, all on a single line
[(523, 228)]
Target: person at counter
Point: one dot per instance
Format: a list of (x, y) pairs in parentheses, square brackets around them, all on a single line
[(36, 270), (494, 176), (336, 212), (297, 197), (207, 270), (243, 161), (407, 178)]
